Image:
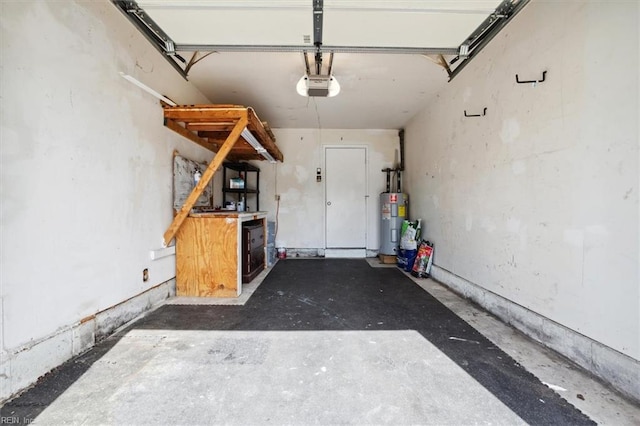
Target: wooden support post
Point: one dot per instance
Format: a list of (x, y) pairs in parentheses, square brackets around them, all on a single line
[(444, 64), (206, 177)]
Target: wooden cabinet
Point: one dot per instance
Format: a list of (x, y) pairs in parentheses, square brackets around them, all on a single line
[(211, 254)]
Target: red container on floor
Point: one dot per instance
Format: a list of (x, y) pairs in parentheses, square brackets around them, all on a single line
[(282, 253)]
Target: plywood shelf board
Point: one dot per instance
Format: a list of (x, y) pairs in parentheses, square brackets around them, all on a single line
[(209, 126)]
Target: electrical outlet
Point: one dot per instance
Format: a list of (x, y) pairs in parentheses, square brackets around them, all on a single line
[(277, 197)]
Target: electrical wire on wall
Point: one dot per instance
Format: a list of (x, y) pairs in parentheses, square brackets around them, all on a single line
[(319, 139), (275, 232)]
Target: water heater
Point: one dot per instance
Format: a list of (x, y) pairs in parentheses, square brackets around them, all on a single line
[(393, 210)]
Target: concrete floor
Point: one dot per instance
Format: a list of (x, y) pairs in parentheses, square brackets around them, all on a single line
[(164, 376), (320, 377), (598, 401)]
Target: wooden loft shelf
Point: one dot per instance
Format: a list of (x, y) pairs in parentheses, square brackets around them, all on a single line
[(218, 128), (210, 125)]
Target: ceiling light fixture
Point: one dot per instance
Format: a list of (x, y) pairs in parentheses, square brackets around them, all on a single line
[(318, 85), (248, 136)]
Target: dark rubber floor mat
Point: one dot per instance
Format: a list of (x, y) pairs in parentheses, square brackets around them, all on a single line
[(341, 294)]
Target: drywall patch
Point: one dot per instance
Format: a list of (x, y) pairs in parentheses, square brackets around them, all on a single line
[(488, 225), (510, 131), (597, 230), (302, 174), (518, 167), (466, 95), (436, 201), (523, 237), (513, 225), (469, 222), (574, 237), (286, 169)]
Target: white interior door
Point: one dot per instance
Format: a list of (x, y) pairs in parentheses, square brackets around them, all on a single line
[(346, 197)]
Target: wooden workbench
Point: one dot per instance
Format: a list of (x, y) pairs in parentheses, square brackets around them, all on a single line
[(208, 253), (208, 245)]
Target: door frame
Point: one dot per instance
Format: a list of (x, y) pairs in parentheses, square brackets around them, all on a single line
[(346, 252)]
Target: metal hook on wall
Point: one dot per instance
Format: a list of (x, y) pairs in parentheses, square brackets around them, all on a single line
[(544, 75), (484, 112)]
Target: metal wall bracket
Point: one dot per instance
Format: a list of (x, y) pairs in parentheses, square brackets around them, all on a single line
[(482, 35), (152, 31), (544, 75), (484, 112)]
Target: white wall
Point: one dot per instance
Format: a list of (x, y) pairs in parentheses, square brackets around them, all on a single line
[(86, 177), (302, 207), (538, 200)]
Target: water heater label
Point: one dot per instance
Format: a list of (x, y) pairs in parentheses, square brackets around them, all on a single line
[(393, 198), (401, 211), (386, 211)]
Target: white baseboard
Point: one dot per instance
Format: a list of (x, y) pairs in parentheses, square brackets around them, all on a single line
[(21, 367), (372, 253), (617, 369)]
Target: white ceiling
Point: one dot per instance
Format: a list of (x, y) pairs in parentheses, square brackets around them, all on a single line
[(378, 90)]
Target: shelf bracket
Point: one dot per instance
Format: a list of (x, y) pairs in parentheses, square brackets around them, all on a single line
[(204, 180), (534, 82), (484, 112)]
